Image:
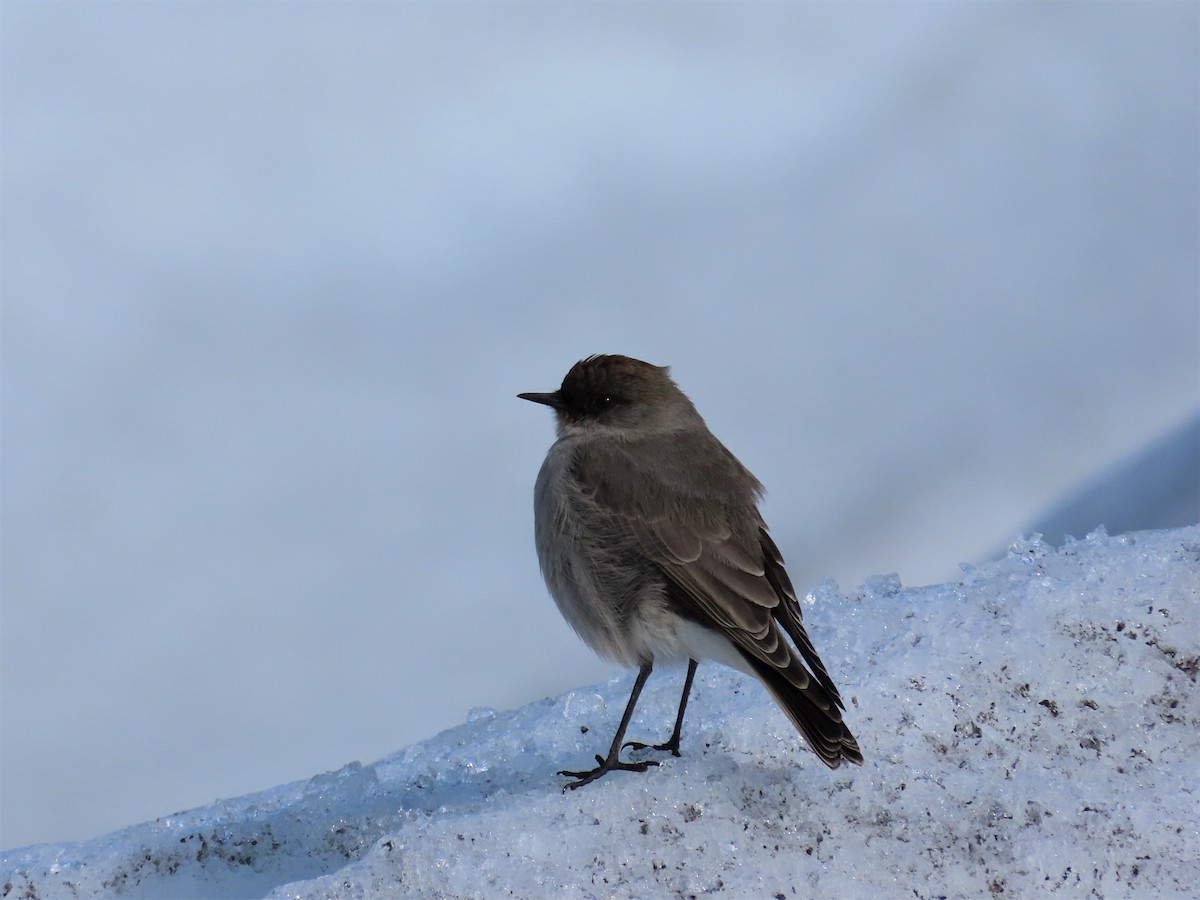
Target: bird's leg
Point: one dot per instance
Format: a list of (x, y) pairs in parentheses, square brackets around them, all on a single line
[(673, 743), (612, 761)]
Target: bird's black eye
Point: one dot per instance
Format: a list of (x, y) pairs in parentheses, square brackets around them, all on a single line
[(600, 403), (586, 404)]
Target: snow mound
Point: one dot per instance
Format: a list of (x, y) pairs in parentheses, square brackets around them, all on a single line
[(1028, 728)]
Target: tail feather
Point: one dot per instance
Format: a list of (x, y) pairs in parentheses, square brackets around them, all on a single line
[(813, 714)]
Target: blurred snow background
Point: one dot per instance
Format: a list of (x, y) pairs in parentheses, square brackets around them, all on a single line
[(272, 275)]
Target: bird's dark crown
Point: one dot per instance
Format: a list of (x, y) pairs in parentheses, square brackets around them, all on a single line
[(601, 382)]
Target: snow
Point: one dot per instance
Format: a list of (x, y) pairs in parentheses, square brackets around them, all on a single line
[(1028, 728), (272, 275)]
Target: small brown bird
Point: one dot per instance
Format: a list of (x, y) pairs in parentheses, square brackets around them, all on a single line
[(651, 543)]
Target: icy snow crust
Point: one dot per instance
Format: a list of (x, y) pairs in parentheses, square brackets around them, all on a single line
[(1029, 728)]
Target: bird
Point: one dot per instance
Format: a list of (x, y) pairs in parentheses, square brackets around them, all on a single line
[(651, 543)]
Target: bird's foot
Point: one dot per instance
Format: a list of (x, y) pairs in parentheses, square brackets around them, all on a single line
[(605, 766), (671, 746)]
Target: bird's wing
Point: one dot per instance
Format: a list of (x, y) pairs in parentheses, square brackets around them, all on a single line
[(721, 569), (748, 599), (719, 562)]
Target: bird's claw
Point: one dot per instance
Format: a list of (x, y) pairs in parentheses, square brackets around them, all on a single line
[(604, 766), (671, 747)]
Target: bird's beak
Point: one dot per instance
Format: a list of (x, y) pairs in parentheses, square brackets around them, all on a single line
[(551, 399)]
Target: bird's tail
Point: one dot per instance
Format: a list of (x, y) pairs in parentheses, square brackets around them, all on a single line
[(813, 712)]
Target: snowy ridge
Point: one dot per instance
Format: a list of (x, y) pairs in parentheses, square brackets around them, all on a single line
[(1030, 727)]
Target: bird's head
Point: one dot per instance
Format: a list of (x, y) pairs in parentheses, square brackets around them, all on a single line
[(618, 396)]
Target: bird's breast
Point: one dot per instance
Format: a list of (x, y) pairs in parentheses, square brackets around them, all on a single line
[(597, 580)]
